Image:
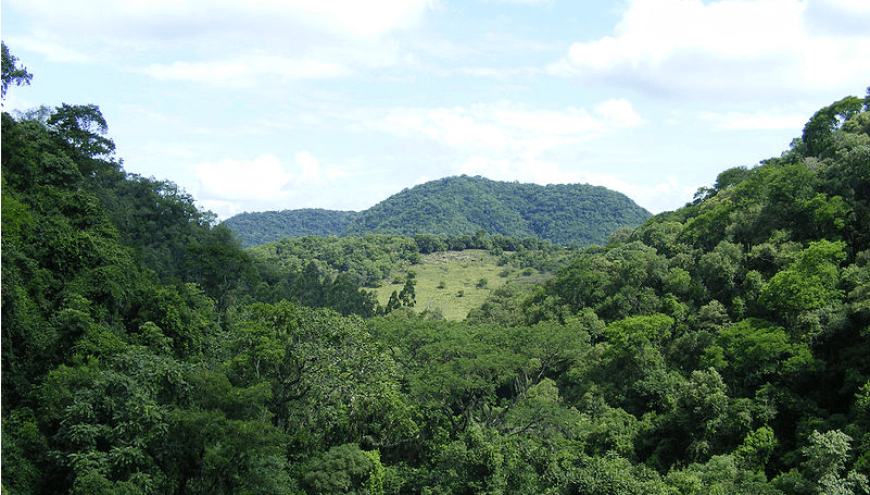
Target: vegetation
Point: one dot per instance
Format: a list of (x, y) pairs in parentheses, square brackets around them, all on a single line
[(566, 215), (721, 348), (384, 263), (255, 229), (450, 284)]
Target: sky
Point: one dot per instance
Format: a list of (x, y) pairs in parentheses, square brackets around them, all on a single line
[(286, 104)]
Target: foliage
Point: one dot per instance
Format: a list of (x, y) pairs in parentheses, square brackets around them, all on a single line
[(720, 348), (256, 229), (12, 73), (460, 208)]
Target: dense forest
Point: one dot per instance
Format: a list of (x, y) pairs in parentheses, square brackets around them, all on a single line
[(564, 214), (720, 348), (263, 227)]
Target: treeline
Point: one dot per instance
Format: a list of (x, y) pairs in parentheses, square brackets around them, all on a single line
[(564, 214), (721, 348), (369, 259), (256, 229)]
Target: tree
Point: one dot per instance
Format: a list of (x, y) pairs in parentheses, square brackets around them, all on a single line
[(822, 471), (753, 352), (809, 283), (83, 128), (408, 296), (345, 469), (819, 129), (12, 73), (106, 423), (217, 263)]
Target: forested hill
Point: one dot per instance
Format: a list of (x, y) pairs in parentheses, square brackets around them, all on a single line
[(564, 214), (258, 228)]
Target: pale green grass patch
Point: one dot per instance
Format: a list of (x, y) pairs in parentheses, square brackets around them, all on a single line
[(451, 282)]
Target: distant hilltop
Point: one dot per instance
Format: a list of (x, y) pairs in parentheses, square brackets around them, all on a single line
[(564, 214)]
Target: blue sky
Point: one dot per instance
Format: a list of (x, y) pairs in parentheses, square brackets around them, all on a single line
[(285, 104)]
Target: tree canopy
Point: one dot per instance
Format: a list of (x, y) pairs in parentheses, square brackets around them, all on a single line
[(720, 348), (564, 214)]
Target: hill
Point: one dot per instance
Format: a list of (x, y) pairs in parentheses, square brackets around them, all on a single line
[(254, 229), (564, 214)]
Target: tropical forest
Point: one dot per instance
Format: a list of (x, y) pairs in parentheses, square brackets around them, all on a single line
[(721, 348)]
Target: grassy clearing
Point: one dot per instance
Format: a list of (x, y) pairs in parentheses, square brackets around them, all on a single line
[(455, 282)]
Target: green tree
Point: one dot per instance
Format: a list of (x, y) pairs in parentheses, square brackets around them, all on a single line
[(106, 421), (12, 73), (345, 469), (817, 135), (720, 475), (83, 129), (822, 470), (810, 283), (753, 352), (408, 296)]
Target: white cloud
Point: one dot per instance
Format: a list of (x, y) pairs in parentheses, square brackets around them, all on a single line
[(667, 195), (232, 186), (245, 70), (262, 178), (51, 49), (500, 73), (507, 128), (527, 2), (530, 169), (759, 120), (619, 113), (750, 49), (311, 172), (310, 167), (223, 41), (457, 127), (153, 19)]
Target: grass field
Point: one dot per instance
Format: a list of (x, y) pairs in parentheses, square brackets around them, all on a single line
[(456, 282)]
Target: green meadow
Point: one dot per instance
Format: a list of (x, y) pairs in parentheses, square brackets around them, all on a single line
[(453, 283)]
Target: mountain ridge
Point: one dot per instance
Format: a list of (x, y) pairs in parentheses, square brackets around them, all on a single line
[(565, 214)]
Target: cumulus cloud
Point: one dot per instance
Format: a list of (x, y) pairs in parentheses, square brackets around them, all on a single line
[(529, 169), (734, 49), (526, 2), (262, 177), (655, 197), (263, 183), (751, 121), (225, 41), (159, 19), (51, 49), (312, 172), (246, 70), (619, 112), (505, 127)]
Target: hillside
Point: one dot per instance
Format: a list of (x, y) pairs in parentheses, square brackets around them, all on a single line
[(717, 349), (254, 229), (451, 284), (564, 214)]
